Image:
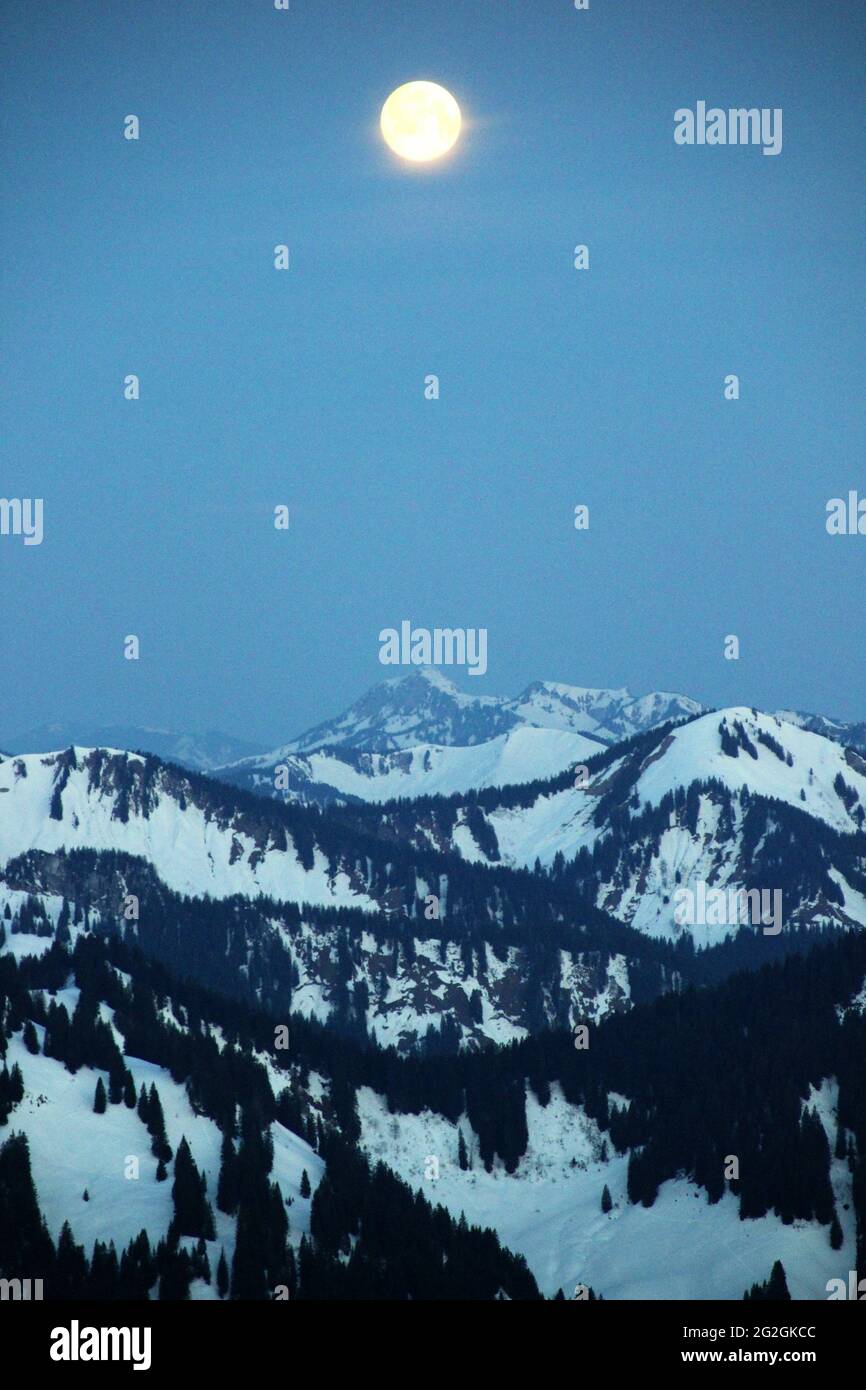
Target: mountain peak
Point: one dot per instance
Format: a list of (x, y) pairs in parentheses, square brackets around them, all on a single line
[(423, 706), (562, 688), (422, 676)]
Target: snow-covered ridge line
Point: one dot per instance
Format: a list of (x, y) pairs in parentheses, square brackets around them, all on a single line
[(200, 752), (425, 707), (202, 839), (702, 801), (703, 776)]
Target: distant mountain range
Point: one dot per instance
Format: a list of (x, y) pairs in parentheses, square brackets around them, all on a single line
[(203, 752), (851, 733), (418, 735), (361, 753), (425, 707), (732, 798), (587, 786)]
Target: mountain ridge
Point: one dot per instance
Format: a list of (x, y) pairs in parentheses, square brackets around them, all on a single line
[(202, 752)]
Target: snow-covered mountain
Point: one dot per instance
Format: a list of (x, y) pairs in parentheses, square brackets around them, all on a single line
[(425, 707), (101, 824), (423, 711), (850, 733), (201, 752), (253, 912), (181, 824), (418, 735), (351, 774), (421, 707), (729, 799), (605, 715)]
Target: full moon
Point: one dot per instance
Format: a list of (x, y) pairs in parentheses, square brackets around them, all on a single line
[(420, 121)]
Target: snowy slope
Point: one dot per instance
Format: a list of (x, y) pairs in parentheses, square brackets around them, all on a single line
[(696, 751), (522, 755), (561, 820), (73, 1150), (748, 755), (850, 733), (193, 848), (550, 1209)]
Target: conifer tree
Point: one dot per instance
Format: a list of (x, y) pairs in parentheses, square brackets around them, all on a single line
[(25, 1245), (227, 1185), (192, 1213), (778, 1286), (249, 1277), (222, 1275), (104, 1271), (835, 1233), (70, 1271), (775, 1290), (62, 934), (175, 1273), (156, 1125), (137, 1269)]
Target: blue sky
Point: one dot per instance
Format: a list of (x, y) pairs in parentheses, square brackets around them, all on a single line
[(558, 387)]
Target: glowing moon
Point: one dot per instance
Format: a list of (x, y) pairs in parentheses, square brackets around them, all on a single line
[(420, 121)]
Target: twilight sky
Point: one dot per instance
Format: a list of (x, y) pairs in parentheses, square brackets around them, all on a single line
[(306, 387)]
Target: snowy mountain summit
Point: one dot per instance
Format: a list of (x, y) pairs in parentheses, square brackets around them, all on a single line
[(426, 707), (419, 735)]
